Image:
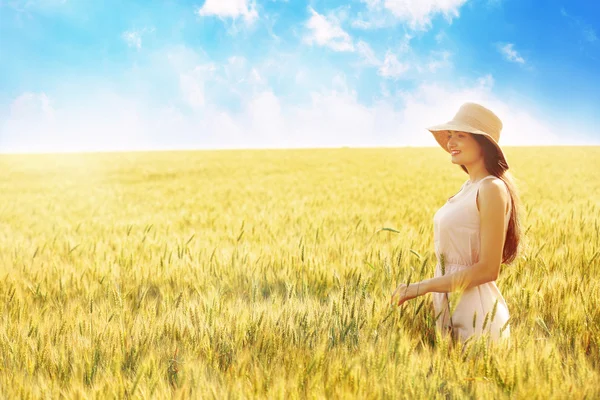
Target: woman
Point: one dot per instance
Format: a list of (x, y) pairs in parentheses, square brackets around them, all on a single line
[(474, 232)]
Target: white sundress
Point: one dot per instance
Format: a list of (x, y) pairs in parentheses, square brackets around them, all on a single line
[(457, 236)]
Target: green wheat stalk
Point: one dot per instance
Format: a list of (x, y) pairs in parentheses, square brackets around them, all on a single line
[(443, 267)]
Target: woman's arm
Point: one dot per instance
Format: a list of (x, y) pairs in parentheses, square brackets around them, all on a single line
[(494, 201), (477, 274)]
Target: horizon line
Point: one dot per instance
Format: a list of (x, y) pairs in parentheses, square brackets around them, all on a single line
[(207, 149)]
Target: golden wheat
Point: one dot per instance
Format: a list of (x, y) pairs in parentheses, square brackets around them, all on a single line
[(267, 274)]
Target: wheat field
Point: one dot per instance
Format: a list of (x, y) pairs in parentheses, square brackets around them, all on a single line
[(262, 274)]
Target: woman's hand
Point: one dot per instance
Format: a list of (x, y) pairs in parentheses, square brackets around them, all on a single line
[(406, 292)]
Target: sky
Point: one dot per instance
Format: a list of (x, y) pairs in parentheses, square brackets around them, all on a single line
[(83, 75)]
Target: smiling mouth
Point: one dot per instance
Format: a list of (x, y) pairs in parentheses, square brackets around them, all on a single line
[(455, 152)]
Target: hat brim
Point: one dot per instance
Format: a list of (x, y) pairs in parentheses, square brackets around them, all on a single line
[(439, 133)]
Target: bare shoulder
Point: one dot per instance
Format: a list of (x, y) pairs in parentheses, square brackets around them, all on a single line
[(495, 187), (492, 194)]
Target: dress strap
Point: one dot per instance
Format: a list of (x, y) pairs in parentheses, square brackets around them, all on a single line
[(483, 179)]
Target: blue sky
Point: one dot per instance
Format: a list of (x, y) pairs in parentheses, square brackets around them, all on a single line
[(88, 75)]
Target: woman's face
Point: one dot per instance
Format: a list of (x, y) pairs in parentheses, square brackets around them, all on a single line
[(463, 147)]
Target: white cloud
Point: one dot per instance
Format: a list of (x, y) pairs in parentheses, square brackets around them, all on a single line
[(133, 38), (367, 54), (404, 44), (191, 85), (373, 19), (336, 117), (361, 24), (236, 69), (31, 103), (269, 23), (432, 104), (588, 32), (438, 60), (327, 32), (229, 9), (192, 71), (440, 37), (330, 116), (371, 3), (510, 53), (416, 13), (103, 120), (256, 77), (392, 68)]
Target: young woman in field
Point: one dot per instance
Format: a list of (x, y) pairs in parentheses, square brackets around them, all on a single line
[(474, 232)]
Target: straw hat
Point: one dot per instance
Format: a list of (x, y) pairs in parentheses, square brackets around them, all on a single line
[(472, 118)]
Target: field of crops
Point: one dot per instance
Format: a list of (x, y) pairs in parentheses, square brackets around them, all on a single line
[(260, 274)]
